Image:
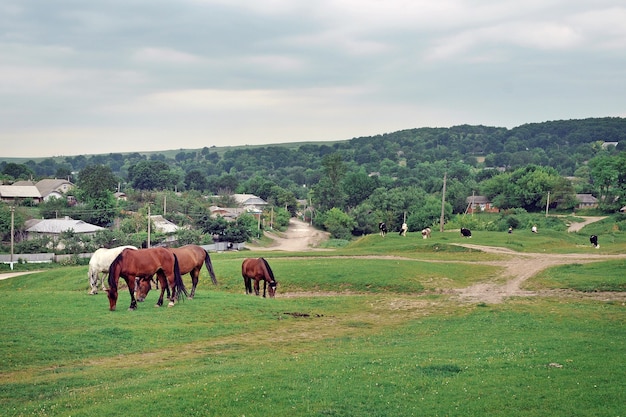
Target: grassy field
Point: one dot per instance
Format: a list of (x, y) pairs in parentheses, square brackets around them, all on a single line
[(372, 329)]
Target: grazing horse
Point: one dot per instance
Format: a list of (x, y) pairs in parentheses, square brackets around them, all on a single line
[(466, 232), (383, 228), (594, 241), (99, 265), (426, 233), (258, 269), (190, 261), (142, 263)]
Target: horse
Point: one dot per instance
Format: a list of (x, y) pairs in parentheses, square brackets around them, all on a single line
[(466, 232), (132, 265), (594, 241), (258, 269), (99, 265), (383, 228), (426, 233), (190, 261)]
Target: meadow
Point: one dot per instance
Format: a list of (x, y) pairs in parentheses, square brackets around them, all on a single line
[(372, 329)]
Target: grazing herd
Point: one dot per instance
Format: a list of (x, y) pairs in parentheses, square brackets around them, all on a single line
[(138, 268)]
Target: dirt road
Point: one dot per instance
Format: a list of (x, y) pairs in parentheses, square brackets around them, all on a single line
[(300, 236)]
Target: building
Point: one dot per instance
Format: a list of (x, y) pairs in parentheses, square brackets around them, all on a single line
[(52, 228), (250, 202), (586, 201), (480, 204), (14, 193)]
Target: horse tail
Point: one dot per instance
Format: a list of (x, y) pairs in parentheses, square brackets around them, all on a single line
[(268, 269), (179, 285), (112, 267), (209, 266)]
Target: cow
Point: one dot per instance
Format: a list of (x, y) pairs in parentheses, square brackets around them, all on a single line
[(383, 228), (466, 232), (594, 241), (426, 233)]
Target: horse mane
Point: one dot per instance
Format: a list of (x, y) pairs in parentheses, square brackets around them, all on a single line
[(269, 270), (209, 266), (117, 260)]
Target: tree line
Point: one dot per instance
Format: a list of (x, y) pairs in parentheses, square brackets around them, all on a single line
[(349, 186)]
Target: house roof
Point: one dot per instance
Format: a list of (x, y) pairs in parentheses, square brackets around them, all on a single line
[(163, 225), (47, 186), (19, 191), (586, 198), (249, 200), (478, 199), (57, 226)]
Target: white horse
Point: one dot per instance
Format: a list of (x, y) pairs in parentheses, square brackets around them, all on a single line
[(99, 265)]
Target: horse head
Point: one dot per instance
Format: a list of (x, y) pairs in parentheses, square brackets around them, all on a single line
[(142, 287), (272, 289)]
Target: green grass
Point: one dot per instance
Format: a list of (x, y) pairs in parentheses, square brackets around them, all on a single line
[(381, 341), (597, 276)]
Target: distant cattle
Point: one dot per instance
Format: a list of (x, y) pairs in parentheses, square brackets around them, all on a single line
[(426, 233), (466, 232), (383, 228), (594, 241)]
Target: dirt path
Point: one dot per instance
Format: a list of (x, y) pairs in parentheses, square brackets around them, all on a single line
[(522, 266), (517, 268), (300, 236), (575, 227)]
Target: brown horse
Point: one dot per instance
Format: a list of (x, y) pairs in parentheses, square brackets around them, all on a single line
[(258, 269), (141, 263), (190, 261)]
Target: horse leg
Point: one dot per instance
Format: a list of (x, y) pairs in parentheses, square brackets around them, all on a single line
[(195, 274), (101, 275), (93, 283), (131, 289), (163, 282), (174, 295), (256, 287), (264, 286)]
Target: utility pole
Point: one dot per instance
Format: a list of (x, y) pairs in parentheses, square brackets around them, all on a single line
[(12, 232), (148, 244), (547, 203), (443, 202)]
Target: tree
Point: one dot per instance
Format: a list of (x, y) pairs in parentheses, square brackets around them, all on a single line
[(339, 224), (328, 192), (18, 171), (196, 180), (152, 175), (358, 186), (96, 181)]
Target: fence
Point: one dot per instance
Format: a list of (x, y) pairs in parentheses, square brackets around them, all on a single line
[(51, 257)]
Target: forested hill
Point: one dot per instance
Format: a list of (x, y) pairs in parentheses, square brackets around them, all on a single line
[(564, 145), (560, 144)]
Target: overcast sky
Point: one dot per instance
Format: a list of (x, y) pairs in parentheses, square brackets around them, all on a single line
[(90, 77)]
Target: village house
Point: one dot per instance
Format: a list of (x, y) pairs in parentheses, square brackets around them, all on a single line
[(586, 201), (52, 228), (13, 193), (480, 204)]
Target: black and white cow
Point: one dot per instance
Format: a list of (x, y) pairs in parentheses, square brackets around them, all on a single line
[(466, 232), (383, 228), (594, 241)]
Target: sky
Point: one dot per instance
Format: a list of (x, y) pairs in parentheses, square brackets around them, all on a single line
[(98, 77)]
